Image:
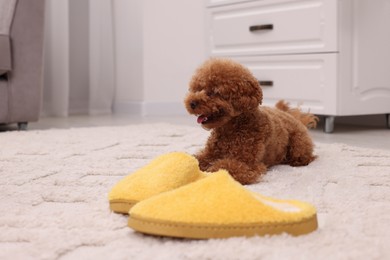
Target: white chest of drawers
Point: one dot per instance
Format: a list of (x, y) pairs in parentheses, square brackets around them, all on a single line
[(329, 56)]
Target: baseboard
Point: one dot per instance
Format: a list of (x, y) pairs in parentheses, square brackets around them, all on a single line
[(150, 108), (128, 107), (164, 108)]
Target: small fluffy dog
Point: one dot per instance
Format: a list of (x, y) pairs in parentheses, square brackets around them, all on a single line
[(246, 138)]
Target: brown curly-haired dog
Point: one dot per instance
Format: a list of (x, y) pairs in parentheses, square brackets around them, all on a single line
[(245, 138)]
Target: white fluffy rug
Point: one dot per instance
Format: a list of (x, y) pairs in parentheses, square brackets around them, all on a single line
[(54, 185)]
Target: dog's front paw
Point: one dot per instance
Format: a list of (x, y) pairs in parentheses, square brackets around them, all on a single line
[(240, 171), (204, 161)]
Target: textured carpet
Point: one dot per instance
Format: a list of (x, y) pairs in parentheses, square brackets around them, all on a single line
[(54, 185)]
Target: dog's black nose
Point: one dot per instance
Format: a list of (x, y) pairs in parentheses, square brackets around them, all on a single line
[(193, 104)]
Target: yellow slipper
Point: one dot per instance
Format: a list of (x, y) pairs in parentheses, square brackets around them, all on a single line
[(164, 173), (220, 207)]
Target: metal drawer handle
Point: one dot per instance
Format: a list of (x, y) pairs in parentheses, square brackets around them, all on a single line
[(261, 27), (266, 83)]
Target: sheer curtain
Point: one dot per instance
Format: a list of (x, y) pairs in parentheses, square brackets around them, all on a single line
[(79, 57)]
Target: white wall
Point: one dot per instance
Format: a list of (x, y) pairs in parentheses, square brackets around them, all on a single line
[(78, 56), (128, 31), (159, 44), (79, 68), (56, 69)]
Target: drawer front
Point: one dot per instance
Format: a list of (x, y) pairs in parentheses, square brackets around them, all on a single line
[(224, 2), (273, 27), (309, 80)]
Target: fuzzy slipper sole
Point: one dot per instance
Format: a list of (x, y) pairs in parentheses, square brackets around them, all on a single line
[(122, 206), (207, 231)]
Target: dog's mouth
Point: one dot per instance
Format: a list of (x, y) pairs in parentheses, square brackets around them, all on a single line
[(202, 119), (206, 119)]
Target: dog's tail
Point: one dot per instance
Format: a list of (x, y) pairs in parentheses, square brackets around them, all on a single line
[(308, 119)]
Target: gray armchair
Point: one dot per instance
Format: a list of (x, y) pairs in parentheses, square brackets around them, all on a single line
[(21, 65)]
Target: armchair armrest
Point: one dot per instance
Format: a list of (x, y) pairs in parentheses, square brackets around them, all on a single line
[(5, 54)]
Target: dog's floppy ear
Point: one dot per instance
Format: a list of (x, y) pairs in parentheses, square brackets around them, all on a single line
[(250, 95)]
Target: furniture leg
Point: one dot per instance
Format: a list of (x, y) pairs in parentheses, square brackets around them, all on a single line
[(22, 126), (329, 124)]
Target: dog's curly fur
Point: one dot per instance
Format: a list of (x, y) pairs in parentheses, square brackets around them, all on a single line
[(246, 138)]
